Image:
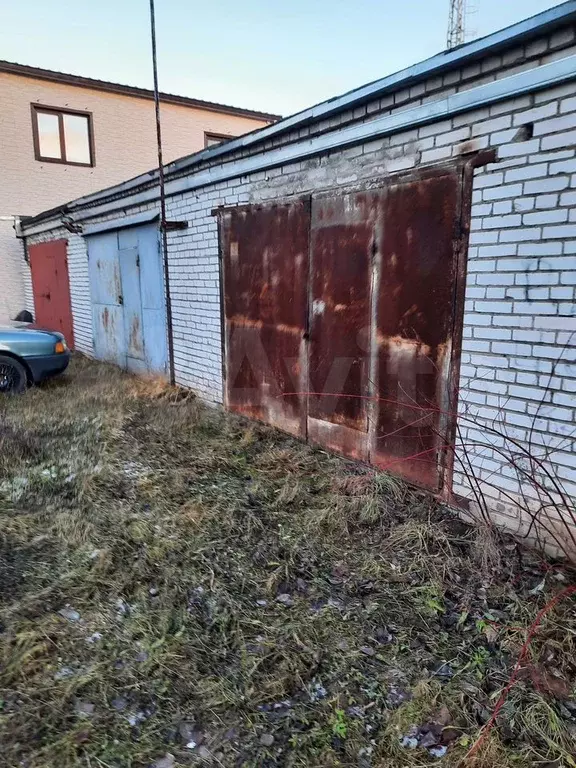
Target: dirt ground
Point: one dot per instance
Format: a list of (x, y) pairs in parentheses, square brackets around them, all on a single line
[(182, 587)]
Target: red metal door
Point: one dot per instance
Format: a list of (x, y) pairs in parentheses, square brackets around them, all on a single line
[(343, 239), (51, 287), (379, 298), (265, 271), (415, 324)]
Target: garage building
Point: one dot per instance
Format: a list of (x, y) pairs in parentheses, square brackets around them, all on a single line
[(390, 274)]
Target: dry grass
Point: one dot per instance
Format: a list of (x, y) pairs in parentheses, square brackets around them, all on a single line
[(269, 602)]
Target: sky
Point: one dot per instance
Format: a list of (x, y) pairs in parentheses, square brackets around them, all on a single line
[(271, 55)]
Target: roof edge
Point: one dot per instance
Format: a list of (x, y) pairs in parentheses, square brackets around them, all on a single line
[(527, 29), (23, 70)]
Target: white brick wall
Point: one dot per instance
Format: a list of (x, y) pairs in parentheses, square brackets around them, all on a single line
[(521, 283), (518, 371), (11, 263)]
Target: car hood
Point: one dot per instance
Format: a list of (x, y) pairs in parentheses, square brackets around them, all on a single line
[(18, 327)]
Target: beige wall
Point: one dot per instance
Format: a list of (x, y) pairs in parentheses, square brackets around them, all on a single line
[(124, 139), (125, 145)]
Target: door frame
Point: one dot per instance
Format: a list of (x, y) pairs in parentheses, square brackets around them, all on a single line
[(464, 167)]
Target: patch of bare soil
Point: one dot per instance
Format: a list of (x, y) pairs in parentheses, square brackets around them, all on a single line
[(182, 587)]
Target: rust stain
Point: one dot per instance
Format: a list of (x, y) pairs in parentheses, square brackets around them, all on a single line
[(414, 319), (378, 294), (135, 341), (265, 305)]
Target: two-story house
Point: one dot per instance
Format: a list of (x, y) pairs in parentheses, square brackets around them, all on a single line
[(62, 136)]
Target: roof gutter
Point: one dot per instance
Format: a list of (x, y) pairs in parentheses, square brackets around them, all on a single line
[(547, 75)]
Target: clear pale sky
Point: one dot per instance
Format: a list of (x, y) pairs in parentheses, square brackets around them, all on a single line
[(271, 55)]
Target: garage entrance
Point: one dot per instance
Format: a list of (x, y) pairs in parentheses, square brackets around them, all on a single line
[(127, 288), (51, 287), (342, 319)]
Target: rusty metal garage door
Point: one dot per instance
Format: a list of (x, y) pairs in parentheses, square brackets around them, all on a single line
[(342, 326), (342, 255), (415, 316), (265, 284)]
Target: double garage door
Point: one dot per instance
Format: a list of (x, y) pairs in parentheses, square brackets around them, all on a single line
[(127, 292), (343, 319)]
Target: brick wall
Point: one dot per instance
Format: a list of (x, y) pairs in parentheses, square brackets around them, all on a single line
[(521, 281), (518, 375), (11, 262), (125, 145)]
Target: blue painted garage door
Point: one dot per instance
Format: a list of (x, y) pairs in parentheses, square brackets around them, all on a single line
[(127, 289)]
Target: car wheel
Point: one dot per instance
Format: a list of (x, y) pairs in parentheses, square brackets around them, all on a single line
[(13, 377)]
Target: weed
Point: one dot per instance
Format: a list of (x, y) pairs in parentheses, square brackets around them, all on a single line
[(171, 574)]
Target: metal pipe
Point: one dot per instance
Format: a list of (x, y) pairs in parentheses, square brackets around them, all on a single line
[(162, 190)]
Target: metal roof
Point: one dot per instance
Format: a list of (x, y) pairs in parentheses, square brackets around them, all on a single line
[(535, 26), (36, 73)]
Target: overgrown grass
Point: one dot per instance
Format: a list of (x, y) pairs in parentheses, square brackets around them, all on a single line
[(181, 585)]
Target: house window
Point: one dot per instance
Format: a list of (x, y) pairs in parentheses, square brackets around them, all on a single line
[(62, 136), (211, 139)]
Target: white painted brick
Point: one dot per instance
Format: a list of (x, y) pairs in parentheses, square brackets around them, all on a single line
[(565, 231), (521, 204), (551, 157), (536, 278), (558, 92), (517, 235), (435, 155), (547, 201), (488, 180), (568, 105), (503, 137), (435, 128), (540, 249), (495, 279), (484, 209), (527, 172), (545, 217), (497, 251), (554, 125), (558, 140), (510, 105), (535, 308), (493, 306), (469, 118), (453, 137), (562, 292), (518, 148), (500, 192), (481, 238), (563, 166), (499, 222), (541, 186), (503, 206), (489, 126), (538, 113)]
